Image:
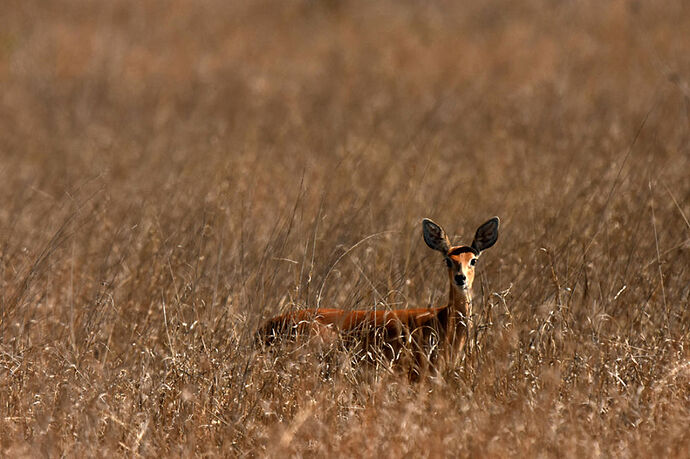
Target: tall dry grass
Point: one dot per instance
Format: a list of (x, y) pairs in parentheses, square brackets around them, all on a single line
[(172, 173)]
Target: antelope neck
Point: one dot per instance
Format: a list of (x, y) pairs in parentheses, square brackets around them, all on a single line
[(458, 299)]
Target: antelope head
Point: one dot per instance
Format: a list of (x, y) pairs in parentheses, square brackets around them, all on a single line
[(460, 259)]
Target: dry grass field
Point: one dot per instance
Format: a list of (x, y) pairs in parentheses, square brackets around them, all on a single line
[(172, 173)]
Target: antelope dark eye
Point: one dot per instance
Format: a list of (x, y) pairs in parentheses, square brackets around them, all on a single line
[(473, 262), (449, 263)]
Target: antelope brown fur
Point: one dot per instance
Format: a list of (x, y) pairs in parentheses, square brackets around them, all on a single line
[(422, 336)]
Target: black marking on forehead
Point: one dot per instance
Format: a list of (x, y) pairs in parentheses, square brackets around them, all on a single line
[(463, 249)]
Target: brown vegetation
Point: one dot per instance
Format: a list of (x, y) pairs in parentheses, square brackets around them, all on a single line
[(173, 173)]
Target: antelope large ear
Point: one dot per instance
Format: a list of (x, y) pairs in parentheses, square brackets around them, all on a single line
[(435, 237), (486, 235)]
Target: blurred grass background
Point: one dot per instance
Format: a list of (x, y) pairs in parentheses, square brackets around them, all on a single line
[(174, 172)]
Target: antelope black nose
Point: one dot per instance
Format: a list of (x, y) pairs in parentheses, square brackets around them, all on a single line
[(460, 279)]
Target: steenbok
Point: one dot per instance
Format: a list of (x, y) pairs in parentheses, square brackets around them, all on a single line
[(422, 338)]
